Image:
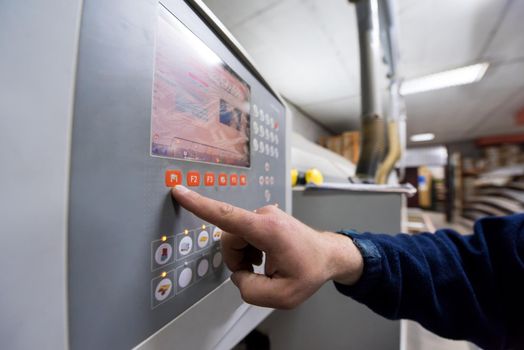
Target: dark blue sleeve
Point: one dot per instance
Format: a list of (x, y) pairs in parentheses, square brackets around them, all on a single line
[(460, 287)]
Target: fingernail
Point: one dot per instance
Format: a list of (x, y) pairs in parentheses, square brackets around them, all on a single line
[(181, 189)]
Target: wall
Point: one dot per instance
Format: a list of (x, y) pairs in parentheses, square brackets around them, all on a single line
[(305, 126)]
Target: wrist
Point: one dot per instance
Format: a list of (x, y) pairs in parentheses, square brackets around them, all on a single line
[(345, 263)]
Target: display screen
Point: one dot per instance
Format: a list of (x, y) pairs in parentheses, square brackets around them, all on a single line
[(200, 105)]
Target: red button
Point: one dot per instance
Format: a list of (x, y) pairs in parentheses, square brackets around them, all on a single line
[(193, 178), (173, 178), (209, 179), (233, 179), (243, 180), (222, 179)]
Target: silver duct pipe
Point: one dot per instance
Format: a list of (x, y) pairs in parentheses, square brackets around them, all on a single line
[(373, 125)]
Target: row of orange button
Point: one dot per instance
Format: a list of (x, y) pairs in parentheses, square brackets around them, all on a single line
[(193, 178)]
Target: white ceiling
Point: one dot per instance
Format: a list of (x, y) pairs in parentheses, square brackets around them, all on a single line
[(308, 50)]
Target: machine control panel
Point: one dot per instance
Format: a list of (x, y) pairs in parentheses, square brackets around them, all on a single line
[(161, 100)]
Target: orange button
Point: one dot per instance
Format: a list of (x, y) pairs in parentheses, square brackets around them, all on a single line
[(222, 179), (193, 178), (173, 178), (243, 180), (233, 179), (209, 179)]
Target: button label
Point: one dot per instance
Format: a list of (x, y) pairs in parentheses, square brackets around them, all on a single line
[(173, 178), (193, 178), (222, 179), (233, 179), (243, 180), (209, 179)]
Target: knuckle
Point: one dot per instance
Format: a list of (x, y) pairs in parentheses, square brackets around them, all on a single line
[(226, 209)]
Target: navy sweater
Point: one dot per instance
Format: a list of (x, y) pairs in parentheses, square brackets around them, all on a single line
[(460, 287)]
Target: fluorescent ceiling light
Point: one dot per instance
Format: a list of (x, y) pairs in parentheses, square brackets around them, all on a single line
[(454, 77), (422, 137)]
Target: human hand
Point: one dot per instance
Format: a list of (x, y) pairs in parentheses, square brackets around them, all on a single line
[(299, 259)]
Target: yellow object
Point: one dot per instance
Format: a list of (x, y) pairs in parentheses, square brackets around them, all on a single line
[(294, 177), (164, 238), (203, 227), (314, 176), (164, 274), (393, 155), (186, 231)]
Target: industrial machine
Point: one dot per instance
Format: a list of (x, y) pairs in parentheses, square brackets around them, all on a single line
[(158, 95)]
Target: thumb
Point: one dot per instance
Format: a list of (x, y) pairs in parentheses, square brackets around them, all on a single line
[(261, 290)]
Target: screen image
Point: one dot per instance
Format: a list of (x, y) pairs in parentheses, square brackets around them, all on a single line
[(200, 108)]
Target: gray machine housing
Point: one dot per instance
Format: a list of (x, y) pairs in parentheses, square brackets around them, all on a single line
[(106, 205)]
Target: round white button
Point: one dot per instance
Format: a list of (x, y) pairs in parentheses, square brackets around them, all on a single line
[(203, 267), (203, 239), (163, 253), (163, 289), (185, 245), (267, 195), (185, 277), (217, 260), (261, 180), (217, 234), (255, 145), (255, 110)]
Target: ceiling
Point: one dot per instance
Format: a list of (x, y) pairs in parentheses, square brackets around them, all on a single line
[(308, 50)]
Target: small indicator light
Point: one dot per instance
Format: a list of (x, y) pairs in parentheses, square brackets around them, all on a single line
[(203, 227), (186, 231), (163, 274), (164, 238)]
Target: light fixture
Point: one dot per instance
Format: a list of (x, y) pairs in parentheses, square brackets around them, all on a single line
[(455, 77), (422, 137)]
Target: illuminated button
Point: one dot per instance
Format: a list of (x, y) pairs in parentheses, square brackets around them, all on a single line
[(185, 245), (255, 127), (163, 253), (163, 289), (255, 145), (222, 179), (185, 277), (217, 260), (271, 180), (173, 178), (217, 234), (267, 167), (202, 267), (262, 131), (267, 195), (203, 239), (209, 179), (243, 180), (193, 178), (261, 180), (233, 179)]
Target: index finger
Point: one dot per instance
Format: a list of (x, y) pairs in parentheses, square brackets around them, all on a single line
[(226, 216)]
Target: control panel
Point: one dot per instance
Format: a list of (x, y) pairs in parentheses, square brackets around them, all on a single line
[(161, 100)]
